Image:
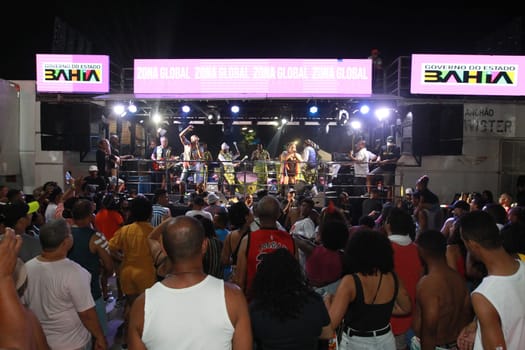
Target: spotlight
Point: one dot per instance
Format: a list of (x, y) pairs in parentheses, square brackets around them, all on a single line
[(212, 116), (364, 109), (156, 118), (132, 108), (235, 109), (186, 109), (119, 109), (314, 109), (382, 113), (355, 124)]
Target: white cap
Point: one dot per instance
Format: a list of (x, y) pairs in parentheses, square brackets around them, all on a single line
[(93, 168), (224, 146)]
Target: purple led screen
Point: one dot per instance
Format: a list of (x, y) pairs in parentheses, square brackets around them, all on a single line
[(72, 73), (468, 75), (253, 78)]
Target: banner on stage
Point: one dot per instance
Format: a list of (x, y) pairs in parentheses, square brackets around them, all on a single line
[(253, 78), (72, 73), (468, 75)]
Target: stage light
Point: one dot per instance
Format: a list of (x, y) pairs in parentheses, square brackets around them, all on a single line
[(186, 108), (119, 109), (132, 108), (355, 124), (382, 113), (364, 109), (212, 116), (314, 109), (156, 118), (234, 109)]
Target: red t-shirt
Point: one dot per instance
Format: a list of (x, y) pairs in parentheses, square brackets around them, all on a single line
[(408, 268), (324, 266), (108, 222), (262, 242)]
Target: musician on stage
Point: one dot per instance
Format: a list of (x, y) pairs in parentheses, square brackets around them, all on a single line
[(290, 165), (310, 161), (229, 180), (193, 156), (260, 158), (163, 158)]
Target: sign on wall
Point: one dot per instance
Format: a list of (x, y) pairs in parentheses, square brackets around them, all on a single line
[(72, 73), (468, 75), (489, 120), (253, 78)]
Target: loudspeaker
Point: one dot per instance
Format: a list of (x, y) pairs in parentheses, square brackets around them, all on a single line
[(66, 126), (437, 129)]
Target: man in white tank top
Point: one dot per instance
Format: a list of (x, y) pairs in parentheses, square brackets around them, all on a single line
[(499, 300), (189, 309)]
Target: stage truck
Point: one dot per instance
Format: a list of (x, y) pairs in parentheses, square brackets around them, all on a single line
[(463, 146)]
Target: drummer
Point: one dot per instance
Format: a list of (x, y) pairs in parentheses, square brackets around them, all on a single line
[(260, 158)]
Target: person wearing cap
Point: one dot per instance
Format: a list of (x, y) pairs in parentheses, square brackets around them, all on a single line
[(17, 216), (228, 167), (193, 157), (93, 183), (214, 207), (459, 208), (386, 161)]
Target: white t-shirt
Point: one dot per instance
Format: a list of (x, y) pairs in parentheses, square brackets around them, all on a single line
[(187, 318), (50, 212), (56, 292), (363, 157), (507, 295), (306, 228)]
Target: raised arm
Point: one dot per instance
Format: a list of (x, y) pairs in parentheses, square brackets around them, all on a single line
[(182, 134)]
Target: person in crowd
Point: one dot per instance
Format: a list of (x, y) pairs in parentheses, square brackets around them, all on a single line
[(284, 309), (240, 218), (386, 162), (90, 250), (289, 207), (499, 300), (324, 256), (108, 220), (262, 241), (515, 215), (58, 292), (17, 215), (498, 213), (260, 158), (400, 227), (192, 160), (214, 204), (93, 183), (368, 295), (221, 225), (212, 258), (373, 205), (19, 327), (197, 206), (520, 191), (441, 313), (362, 159), (459, 208), (304, 227), (514, 239), (130, 247), (55, 197), (216, 307), (505, 200), (160, 210)]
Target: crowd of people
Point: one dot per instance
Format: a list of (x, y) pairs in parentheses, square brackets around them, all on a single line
[(261, 272)]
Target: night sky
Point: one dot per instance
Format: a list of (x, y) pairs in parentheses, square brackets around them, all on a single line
[(217, 29)]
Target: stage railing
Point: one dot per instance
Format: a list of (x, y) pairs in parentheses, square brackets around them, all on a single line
[(146, 175)]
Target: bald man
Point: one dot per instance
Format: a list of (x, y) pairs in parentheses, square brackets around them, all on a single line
[(166, 315)]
